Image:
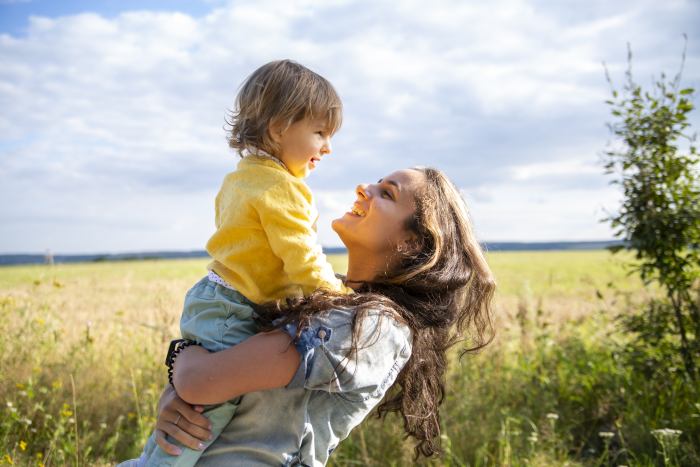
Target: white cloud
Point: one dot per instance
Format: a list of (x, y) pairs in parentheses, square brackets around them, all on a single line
[(514, 212), (114, 125)]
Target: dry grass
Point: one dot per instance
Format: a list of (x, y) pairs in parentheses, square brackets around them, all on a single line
[(82, 347)]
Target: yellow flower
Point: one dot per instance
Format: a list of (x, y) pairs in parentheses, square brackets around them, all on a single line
[(66, 412), (23, 445), (8, 459)]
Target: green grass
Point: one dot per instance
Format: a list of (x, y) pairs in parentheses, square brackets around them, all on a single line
[(82, 348)]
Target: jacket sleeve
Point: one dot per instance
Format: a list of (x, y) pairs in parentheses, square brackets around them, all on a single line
[(328, 364)]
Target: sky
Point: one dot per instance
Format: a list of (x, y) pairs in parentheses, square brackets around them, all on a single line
[(111, 128)]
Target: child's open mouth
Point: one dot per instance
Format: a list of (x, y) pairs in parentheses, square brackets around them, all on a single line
[(313, 162)]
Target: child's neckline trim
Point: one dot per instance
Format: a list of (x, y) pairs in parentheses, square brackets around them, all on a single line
[(264, 155)]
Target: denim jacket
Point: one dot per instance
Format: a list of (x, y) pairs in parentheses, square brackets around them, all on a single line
[(331, 393)]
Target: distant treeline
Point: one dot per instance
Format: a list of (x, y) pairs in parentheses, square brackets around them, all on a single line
[(6, 260)]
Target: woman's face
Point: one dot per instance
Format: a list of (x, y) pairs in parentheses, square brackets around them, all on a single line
[(375, 224)]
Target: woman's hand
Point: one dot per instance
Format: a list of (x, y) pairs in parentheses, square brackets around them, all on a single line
[(182, 421)]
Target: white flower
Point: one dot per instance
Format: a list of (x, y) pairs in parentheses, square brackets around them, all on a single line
[(666, 433)]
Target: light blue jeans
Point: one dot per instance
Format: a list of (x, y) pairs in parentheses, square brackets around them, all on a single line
[(217, 317)]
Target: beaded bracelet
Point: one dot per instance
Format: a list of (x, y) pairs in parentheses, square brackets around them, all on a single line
[(176, 346)]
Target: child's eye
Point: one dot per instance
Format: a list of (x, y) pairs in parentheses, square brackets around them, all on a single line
[(386, 194)]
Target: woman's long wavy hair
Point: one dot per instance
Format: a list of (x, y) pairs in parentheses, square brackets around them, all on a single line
[(442, 289)]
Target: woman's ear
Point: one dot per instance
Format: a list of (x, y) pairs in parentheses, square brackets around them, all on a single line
[(408, 246)]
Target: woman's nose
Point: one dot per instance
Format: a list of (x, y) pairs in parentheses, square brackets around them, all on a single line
[(361, 191)]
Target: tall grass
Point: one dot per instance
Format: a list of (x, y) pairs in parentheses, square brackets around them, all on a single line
[(82, 349)]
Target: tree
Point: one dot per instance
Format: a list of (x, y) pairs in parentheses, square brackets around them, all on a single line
[(659, 217)]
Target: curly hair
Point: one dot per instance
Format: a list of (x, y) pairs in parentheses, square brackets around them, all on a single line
[(442, 289), (280, 92)]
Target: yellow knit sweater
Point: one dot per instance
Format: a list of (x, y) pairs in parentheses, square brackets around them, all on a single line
[(265, 242)]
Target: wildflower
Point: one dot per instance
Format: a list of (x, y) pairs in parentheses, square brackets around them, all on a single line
[(23, 445), (553, 416), (8, 459), (533, 438), (666, 433), (606, 434)]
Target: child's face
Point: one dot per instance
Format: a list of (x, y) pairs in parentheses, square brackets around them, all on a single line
[(302, 145)]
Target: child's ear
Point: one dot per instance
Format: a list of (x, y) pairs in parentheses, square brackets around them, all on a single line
[(275, 130)]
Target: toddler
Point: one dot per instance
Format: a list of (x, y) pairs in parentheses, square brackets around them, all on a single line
[(264, 247)]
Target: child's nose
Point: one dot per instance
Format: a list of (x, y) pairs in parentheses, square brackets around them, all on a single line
[(361, 190), (327, 149)]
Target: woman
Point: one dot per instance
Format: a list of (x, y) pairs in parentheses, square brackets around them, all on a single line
[(422, 283)]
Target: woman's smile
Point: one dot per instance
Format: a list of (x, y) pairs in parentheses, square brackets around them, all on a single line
[(357, 210)]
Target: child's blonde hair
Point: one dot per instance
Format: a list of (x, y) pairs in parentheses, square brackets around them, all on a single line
[(280, 92)]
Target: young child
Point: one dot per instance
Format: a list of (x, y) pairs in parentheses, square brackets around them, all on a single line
[(264, 247)]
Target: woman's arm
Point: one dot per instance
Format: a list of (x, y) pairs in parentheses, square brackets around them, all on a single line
[(264, 361)]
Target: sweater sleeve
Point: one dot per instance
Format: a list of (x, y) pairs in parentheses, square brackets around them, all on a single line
[(286, 215)]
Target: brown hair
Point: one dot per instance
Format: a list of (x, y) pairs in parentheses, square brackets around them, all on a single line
[(281, 92), (441, 289)]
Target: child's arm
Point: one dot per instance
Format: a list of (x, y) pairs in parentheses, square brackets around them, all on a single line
[(285, 214)]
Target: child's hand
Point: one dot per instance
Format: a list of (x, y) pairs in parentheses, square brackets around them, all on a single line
[(182, 421)]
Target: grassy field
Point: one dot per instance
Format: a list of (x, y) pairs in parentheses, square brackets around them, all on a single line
[(82, 347)]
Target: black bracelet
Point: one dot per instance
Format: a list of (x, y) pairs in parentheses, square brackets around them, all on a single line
[(176, 346)]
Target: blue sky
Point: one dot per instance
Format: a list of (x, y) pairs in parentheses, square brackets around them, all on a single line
[(111, 133)]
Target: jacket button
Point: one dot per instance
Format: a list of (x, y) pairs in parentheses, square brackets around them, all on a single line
[(322, 333)]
